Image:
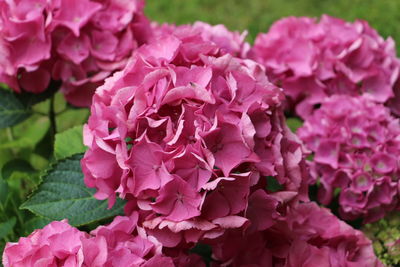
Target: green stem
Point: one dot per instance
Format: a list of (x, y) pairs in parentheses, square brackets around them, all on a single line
[(10, 134), (52, 117)]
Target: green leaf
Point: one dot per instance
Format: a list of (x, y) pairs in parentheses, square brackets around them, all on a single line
[(16, 165), (7, 227), (71, 117), (294, 123), (28, 134), (12, 111), (63, 195), (69, 142)]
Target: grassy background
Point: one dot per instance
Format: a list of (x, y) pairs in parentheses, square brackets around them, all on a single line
[(257, 15)]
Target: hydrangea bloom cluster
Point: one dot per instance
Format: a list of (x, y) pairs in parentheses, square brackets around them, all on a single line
[(120, 243), (228, 42), (79, 42), (355, 144), (312, 60), (307, 235), (189, 137)]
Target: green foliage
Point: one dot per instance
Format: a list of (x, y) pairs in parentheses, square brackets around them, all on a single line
[(63, 195), (383, 234), (68, 143), (12, 111)]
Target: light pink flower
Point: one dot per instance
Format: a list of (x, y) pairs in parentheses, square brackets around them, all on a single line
[(121, 243), (57, 244)]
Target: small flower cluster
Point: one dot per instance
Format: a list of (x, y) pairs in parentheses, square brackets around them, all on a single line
[(121, 243), (312, 60), (307, 235), (189, 141), (355, 144), (79, 42)]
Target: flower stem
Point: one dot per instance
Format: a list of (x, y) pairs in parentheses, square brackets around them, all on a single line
[(52, 117)]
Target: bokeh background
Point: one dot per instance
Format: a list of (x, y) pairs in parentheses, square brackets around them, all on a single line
[(258, 15)]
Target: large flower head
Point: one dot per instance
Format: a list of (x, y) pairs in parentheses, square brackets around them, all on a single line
[(355, 142), (307, 235), (187, 137), (79, 42), (312, 60)]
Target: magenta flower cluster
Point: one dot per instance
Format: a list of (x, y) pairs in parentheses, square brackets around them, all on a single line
[(356, 144), (188, 140), (313, 59), (121, 243), (79, 42)]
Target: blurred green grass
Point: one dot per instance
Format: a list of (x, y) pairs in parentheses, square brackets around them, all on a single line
[(257, 15)]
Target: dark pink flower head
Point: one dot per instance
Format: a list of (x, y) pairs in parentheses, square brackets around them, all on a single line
[(79, 42), (201, 35), (354, 142), (187, 139), (312, 60), (307, 235)]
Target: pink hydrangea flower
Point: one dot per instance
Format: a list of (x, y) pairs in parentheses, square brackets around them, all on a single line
[(79, 42), (121, 243), (307, 235), (187, 133), (312, 60), (354, 142)]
